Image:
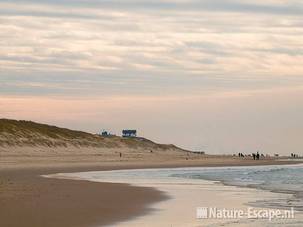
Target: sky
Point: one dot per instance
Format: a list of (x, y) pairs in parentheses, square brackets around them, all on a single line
[(223, 76)]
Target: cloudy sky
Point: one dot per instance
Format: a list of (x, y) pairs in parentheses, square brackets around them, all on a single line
[(223, 76)]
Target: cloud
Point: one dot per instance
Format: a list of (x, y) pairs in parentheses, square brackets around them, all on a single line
[(246, 6), (148, 47)]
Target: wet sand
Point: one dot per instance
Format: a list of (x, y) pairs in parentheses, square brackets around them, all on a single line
[(29, 200)]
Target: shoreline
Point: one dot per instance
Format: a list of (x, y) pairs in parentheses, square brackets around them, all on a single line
[(185, 196), (32, 200)]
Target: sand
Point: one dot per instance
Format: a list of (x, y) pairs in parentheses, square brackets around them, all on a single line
[(29, 200), (38, 157), (32, 201)]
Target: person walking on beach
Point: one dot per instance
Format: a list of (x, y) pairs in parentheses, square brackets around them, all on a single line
[(258, 155), (254, 156), (120, 155)]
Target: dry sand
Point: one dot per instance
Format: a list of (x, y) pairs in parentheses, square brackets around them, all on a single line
[(34, 157)]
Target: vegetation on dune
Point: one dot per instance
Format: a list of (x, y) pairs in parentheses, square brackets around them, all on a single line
[(28, 133), (29, 127)]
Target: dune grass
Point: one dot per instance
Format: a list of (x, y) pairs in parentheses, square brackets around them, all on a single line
[(29, 133)]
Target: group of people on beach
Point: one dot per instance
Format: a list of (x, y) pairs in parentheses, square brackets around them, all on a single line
[(294, 155), (255, 156)]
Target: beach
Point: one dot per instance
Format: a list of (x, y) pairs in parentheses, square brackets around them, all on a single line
[(28, 199), (137, 113)]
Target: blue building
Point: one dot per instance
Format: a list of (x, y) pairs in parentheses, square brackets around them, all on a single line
[(129, 133)]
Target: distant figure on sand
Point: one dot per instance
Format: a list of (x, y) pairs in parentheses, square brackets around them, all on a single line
[(254, 156), (258, 155), (120, 154)]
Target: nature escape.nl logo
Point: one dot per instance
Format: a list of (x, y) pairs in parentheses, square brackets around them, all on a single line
[(249, 213)]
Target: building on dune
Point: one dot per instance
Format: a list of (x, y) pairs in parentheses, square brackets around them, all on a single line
[(129, 133)]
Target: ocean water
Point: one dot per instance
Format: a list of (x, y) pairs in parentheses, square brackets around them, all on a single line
[(274, 178), (281, 179)]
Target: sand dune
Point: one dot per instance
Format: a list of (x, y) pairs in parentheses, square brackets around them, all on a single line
[(15, 133)]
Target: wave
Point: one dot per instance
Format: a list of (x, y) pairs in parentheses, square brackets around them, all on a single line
[(286, 179)]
